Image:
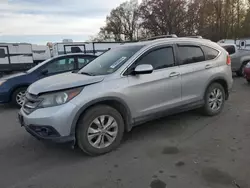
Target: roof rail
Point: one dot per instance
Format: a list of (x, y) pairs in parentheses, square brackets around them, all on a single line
[(198, 37), (160, 37)]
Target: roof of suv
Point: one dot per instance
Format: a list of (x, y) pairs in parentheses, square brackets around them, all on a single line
[(150, 42)]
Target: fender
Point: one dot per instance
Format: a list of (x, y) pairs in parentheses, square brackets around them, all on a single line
[(128, 120), (245, 59)]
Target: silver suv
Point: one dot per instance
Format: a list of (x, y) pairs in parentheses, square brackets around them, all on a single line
[(127, 86)]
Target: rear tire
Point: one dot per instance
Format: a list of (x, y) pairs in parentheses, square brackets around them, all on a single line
[(214, 99), (92, 136), (239, 73), (17, 98)]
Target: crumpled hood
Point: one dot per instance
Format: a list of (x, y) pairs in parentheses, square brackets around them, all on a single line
[(62, 81)]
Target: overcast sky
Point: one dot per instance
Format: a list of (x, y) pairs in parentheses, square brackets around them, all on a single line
[(40, 21)]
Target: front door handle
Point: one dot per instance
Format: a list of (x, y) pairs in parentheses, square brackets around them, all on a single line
[(208, 67), (174, 74)]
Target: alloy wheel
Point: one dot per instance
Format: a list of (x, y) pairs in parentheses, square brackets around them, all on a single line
[(20, 98), (102, 131), (215, 99)]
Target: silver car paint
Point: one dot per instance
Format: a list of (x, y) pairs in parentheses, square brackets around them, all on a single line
[(143, 94)]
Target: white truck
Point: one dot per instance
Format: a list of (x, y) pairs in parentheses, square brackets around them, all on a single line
[(21, 56), (243, 43), (95, 48)]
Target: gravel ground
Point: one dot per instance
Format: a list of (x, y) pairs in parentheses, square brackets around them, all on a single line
[(185, 150)]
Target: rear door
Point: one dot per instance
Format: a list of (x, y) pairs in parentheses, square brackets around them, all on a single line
[(196, 67), (158, 91)]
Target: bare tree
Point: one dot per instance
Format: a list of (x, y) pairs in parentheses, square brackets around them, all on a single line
[(213, 19)]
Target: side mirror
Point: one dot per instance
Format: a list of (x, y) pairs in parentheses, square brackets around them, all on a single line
[(44, 72), (144, 69)]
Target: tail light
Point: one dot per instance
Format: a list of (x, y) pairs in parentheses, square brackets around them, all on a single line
[(228, 60)]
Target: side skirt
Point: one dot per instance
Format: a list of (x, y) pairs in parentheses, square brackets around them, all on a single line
[(154, 116)]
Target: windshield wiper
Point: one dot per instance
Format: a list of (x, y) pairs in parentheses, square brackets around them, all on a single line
[(87, 73)]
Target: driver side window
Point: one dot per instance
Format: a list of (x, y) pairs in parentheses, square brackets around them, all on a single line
[(61, 65), (160, 58)]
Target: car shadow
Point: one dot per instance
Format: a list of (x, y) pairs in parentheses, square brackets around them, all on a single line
[(7, 107)]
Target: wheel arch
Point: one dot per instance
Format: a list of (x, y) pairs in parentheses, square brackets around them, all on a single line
[(245, 60), (114, 102), (221, 81), (16, 88)]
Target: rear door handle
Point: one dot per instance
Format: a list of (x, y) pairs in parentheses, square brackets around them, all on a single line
[(174, 74), (208, 66)]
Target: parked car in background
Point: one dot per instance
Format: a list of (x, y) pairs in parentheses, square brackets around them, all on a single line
[(247, 72), (13, 87), (127, 86), (239, 57)]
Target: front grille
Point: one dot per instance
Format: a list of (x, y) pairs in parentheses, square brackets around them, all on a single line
[(31, 103)]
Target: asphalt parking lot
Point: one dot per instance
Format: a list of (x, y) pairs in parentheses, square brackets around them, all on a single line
[(185, 150)]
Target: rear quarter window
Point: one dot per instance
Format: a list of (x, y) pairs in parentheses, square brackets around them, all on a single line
[(210, 53)]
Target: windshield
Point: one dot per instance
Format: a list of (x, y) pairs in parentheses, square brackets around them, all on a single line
[(39, 65), (110, 61)]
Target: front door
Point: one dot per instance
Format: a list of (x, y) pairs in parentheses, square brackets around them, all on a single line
[(58, 66), (158, 91)]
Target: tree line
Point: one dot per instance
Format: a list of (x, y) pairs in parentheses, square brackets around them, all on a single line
[(212, 19)]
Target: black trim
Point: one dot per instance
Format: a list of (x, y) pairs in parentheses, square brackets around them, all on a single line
[(94, 51), (157, 115), (12, 55), (59, 139), (83, 108)]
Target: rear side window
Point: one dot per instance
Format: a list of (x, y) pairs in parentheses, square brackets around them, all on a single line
[(190, 54), (159, 59), (82, 61), (210, 53), (2, 53), (230, 49)]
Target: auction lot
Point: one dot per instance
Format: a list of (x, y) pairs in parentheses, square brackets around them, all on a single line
[(185, 150)]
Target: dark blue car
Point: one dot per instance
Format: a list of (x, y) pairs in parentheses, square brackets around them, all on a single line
[(13, 87)]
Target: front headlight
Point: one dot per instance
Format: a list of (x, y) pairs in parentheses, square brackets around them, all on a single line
[(2, 81), (58, 98)]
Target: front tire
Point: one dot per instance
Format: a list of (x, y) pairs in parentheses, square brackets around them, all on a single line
[(18, 95), (100, 130), (214, 99)]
